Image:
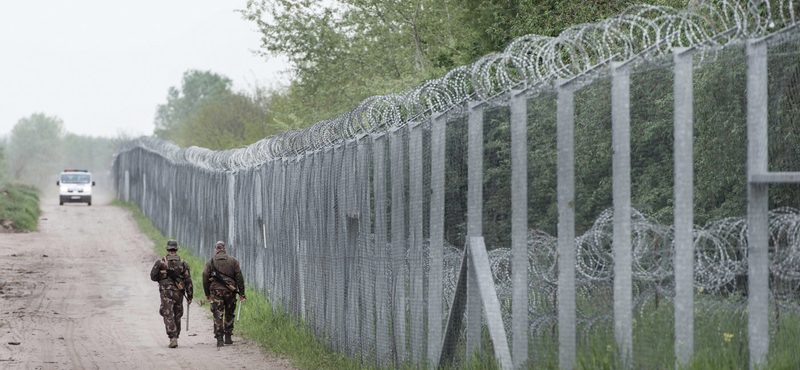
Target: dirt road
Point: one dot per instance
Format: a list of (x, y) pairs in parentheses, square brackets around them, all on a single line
[(77, 295)]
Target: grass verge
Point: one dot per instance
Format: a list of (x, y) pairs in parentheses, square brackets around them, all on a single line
[(260, 320), (19, 204)]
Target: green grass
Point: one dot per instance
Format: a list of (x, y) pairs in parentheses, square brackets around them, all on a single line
[(720, 336), (20, 204)]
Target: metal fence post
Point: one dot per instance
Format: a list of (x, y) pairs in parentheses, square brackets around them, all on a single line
[(474, 221), (398, 251), (416, 263), (566, 224), (621, 172), (231, 208), (169, 223), (367, 254), (382, 294), (143, 204), (436, 274), (684, 214), (519, 225), (757, 205), (127, 186)]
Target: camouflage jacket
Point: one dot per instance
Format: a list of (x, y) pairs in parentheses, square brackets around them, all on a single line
[(227, 265), (182, 274)]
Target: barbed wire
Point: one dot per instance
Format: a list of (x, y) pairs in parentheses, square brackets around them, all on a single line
[(641, 31), (720, 258)]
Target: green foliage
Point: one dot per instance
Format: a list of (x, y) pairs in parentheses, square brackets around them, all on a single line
[(500, 21), (208, 114), (196, 88), (34, 149), (229, 121), (344, 51), (20, 204)]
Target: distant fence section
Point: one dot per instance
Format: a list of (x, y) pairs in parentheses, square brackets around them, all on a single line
[(454, 219)]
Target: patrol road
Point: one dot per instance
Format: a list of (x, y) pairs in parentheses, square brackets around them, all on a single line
[(77, 295)]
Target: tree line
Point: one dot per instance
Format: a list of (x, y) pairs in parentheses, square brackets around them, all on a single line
[(39, 148)]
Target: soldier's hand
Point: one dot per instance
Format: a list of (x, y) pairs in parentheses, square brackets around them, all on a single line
[(241, 298), (188, 302), (208, 298)]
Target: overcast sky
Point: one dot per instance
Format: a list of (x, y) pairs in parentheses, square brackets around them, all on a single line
[(104, 66)]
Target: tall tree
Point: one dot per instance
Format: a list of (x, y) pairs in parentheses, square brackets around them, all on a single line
[(229, 121), (344, 51), (197, 87), (34, 148)]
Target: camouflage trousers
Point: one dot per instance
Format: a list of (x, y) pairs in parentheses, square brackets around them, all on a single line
[(223, 305), (172, 311)]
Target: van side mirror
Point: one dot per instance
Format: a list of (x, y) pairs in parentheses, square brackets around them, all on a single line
[(92, 183), (58, 183)]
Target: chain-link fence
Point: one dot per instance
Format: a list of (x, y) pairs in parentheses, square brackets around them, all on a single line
[(595, 200)]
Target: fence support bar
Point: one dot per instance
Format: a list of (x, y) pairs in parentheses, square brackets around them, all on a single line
[(491, 305), (455, 316), (775, 177)]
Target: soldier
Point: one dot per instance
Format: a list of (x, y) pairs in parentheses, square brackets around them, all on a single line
[(174, 280), (222, 280)]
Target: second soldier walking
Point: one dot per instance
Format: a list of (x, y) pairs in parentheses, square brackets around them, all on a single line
[(222, 281), (174, 281)]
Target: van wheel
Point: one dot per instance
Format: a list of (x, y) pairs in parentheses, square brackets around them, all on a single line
[(90, 203), (60, 203)]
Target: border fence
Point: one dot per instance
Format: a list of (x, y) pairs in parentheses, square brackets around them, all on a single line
[(508, 208)]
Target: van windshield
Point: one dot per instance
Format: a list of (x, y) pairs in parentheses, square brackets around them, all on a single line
[(75, 178)]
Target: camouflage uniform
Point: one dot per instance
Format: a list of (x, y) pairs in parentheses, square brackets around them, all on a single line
[(172, 297), (223, 299)]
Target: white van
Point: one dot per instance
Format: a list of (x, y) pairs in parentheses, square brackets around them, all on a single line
[(75, 186)]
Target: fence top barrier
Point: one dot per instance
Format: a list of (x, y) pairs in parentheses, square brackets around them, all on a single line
[(640, 32)]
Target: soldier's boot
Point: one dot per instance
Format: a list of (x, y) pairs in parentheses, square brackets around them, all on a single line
[(228, 339), (219, 342), (173, 342)]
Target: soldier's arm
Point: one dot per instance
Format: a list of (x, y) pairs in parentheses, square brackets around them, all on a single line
[(206, 276), (155, 272), (187, 279)]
